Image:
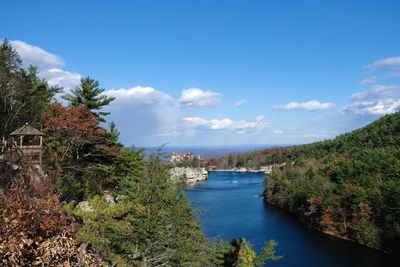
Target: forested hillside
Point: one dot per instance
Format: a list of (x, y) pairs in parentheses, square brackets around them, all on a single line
[(348, 187)]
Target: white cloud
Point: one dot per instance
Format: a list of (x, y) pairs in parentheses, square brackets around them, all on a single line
[(243, 126), (368, 81), (380, 107), (316, 135), (389, 62), (278, 132), (143, 115), (60, 77), (196, 122), (379, 100), (34, 55), (195, 97), (378, 92), (49, 65), (138, 95), (313, 135), (240, 103), (312, 105)]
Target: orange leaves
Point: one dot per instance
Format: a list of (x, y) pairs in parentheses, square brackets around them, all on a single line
[(327, 221), (77, 132), (364, 211), (76, 124), (27, 221)]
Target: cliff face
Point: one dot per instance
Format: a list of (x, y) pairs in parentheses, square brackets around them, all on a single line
[(191, 174)]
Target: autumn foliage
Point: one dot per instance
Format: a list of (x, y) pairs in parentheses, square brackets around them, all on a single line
[(74, 128), (78, 151), (37, 231), (29, 222)]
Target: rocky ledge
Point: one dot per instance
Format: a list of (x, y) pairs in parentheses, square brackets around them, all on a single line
[(191, 174)]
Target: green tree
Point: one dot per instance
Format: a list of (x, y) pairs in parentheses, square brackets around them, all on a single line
[(268, 253), (114, 134), (153, 225), (240, 253), (230, 161), (90, 95), (245, 253), (23, 96)]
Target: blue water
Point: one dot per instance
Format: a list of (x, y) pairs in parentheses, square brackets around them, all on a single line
[(230, 206)]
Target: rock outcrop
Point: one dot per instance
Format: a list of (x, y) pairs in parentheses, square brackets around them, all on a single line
[(85, 206), (189, 173)]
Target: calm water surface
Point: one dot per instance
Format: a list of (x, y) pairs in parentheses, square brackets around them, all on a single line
[(230, 206)]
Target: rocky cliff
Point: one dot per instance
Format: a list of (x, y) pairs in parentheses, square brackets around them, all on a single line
[(190, 173)]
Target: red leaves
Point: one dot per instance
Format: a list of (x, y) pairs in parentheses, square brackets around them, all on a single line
[(76, 129), (76, 125)]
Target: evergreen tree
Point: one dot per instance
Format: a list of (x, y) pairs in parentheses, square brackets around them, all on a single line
[(23, 95), (89, 95), (153, 225), (230, 161), (114, 133)]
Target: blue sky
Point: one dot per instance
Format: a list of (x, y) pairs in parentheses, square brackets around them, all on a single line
[(220, 72)]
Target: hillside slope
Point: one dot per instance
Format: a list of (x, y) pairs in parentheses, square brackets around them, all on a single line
[(348, 187)]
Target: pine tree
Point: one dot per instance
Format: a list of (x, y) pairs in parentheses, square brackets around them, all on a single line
[(23, 96), (90, 95), (114, 135)]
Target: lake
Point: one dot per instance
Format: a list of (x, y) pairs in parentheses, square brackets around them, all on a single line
[(230, 205)]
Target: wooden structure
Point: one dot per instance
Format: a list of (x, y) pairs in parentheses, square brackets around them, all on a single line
[(29, 141)]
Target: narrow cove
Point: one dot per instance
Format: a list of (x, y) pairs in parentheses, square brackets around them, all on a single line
[(229, 206)]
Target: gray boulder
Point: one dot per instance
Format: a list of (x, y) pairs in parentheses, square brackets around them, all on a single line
[(85, 206)]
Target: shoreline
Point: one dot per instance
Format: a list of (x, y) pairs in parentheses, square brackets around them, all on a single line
[(329, 233), (239, 170)]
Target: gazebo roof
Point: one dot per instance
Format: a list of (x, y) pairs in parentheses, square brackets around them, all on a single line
[(26, 130)]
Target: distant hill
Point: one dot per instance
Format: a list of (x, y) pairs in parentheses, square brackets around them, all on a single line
[(207, 152), (384, 132)]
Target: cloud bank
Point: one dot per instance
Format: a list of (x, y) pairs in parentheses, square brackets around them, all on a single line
[(50, 66), (243, 126), (138, 95), (379, 100), (312, 105)]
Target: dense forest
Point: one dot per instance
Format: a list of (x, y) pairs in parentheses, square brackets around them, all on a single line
[(93, 202), (348, 187)]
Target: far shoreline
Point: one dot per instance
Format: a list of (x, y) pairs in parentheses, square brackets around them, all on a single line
[(243, 170)]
